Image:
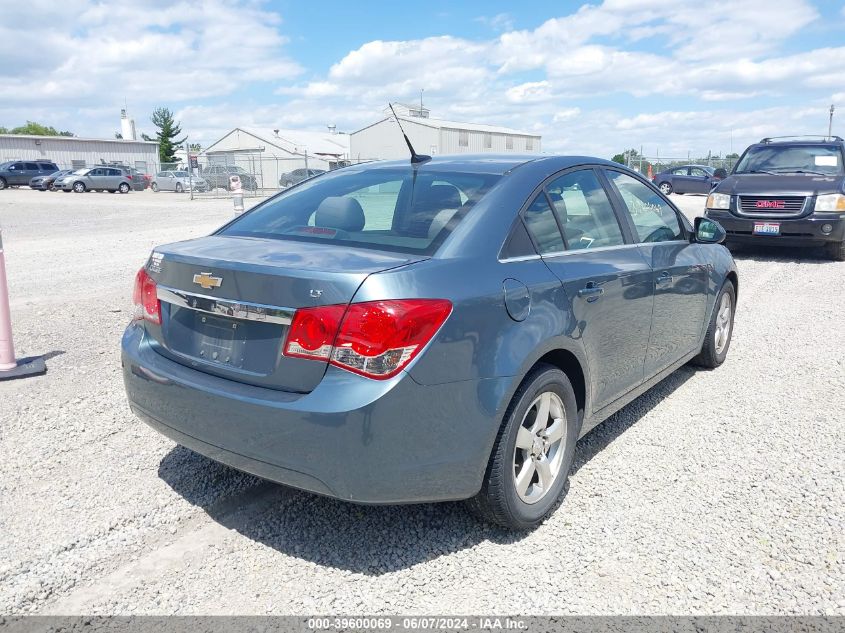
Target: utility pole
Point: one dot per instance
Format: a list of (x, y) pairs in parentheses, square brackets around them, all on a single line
[(190, 168), (830, 123)]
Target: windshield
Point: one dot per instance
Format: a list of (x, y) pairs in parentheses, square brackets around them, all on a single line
[(81, 172), (818, 159), (386, 209), (180, 174)]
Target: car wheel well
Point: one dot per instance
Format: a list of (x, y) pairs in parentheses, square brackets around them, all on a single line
[(732, 277), (568, 363)]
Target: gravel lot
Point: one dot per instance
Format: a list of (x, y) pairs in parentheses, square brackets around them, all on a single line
[(715, 493)]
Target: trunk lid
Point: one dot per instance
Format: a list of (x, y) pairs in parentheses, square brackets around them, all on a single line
[(226, 302)]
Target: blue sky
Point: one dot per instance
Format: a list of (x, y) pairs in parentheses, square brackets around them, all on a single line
[(670, 77)]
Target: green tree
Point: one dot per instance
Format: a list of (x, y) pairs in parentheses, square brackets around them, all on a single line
[(168, 130), (35, 129), (620, 158)]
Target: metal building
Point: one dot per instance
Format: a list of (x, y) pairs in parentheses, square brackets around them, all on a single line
[(268, 154), (71, 152), (383, 139)]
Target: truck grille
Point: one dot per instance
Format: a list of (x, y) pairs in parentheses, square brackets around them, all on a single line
[(771, 205)]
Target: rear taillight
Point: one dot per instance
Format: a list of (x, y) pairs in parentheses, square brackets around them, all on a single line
[(128, 176), (145, 298), (376, 339)]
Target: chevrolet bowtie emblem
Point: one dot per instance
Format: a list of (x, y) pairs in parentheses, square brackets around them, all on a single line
[(205, 280)]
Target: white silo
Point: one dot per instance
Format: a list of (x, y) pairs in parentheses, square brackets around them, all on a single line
[(127, 126)]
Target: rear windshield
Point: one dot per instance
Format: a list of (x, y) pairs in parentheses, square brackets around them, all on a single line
[(387, 209), (817, 159)]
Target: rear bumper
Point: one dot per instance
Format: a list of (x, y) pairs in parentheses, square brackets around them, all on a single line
[(365, 441), (806, 231)]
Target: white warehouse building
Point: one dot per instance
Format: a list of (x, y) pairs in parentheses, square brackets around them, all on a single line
[(383, 140), (71, 152), (268, 154)]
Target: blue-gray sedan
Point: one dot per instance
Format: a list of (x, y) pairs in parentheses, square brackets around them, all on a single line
[(397, 332)]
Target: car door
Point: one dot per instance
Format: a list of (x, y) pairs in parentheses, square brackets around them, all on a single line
[(681, 180), (95, 178), (30, 171), (17, 174), (607, 281), (117, 176), (699, 180), (679, 272)]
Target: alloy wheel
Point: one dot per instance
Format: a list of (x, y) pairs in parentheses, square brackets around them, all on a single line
[(722, 332), (540, 444)]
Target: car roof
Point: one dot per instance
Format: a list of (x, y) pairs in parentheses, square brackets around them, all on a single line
[(834, 142), (487, 163)]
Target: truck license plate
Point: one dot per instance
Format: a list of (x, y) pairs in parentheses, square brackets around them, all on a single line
[(767, 228)]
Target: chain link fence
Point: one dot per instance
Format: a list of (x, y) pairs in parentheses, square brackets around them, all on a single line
[(662, 163), (260, 175)]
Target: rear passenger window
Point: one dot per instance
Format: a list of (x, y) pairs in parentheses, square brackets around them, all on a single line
[(48, 167), (391, 208), (31, 167), (584, 211), (654, 219), (541, 223)]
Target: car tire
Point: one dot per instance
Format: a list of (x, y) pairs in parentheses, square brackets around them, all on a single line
[(79, 187), (123, 188), (500, 500), (717, 340), (836, 251), (178, 187), (665, 188), (154, 187), (2, 183)]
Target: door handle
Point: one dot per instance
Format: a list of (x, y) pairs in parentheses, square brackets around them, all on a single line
[(591, 291), (664, 278)]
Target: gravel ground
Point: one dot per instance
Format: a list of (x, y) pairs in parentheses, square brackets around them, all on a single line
[(714, 493)]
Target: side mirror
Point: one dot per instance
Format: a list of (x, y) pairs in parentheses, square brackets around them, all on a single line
[(708, 231), (721, 173)]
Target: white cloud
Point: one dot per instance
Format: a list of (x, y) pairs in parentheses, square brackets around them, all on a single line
[(627, 55), (155, 55)]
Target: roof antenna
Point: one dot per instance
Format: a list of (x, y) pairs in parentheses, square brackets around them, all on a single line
[(415, 158)]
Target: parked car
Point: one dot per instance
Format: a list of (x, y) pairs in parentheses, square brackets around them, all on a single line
[(398, 333), (788, 192), (686, 179), (217, 176), (16, 173), (138, 179), (45, 183), (178, 181), (109, 179), (298, 175)]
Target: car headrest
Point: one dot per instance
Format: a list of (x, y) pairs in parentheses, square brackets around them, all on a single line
[(560, 206), (440, 220), (340, 212), (443, 197)]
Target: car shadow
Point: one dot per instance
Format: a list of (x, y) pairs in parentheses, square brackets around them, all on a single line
[(599, 438), (783, 255), (370, 540)]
